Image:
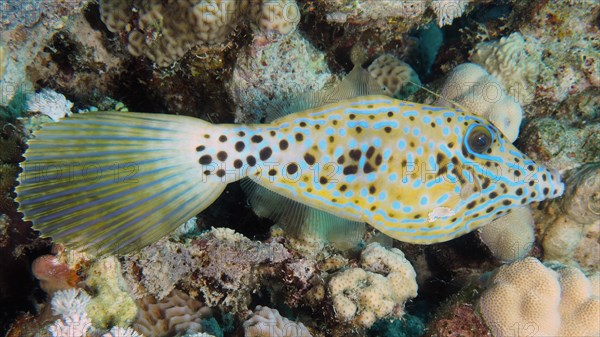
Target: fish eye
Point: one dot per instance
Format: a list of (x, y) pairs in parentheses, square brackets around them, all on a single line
[(479, 139)]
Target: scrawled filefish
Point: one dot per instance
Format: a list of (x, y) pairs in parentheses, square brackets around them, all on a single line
[(422, 174)]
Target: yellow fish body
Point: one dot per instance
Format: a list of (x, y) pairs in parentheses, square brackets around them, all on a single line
[(418, 173)]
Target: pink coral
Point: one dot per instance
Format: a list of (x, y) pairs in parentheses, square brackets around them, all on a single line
[(53, 274)]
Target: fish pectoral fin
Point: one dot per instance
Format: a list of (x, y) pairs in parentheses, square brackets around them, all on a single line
[(113, 182), (300, 220)]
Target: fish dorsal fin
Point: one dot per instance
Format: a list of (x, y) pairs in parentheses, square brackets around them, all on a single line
[(300, 220), (357, 83)]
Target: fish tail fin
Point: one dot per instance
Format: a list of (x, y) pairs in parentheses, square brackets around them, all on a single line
[(114, 182)]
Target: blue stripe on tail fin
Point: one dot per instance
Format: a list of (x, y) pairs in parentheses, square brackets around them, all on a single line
[(114, 182)]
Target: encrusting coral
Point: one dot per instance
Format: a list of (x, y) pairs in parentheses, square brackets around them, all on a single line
[(397, 77), (526, 298), (378, 289), (71, 306), (510, 237), (164, 33), (476, 90), (267, 322)]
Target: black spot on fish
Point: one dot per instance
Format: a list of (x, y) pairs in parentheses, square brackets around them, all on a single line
[(222, 155), (378, 159), (439, 158), (341, 159), (451, 144), (256, 139), (206, 159), (471, 204), (265, 153), (412, 118), (368, 168), (449, 119), (489, 209), (432, 124), (358, 129), (530, 167), (335, 122), (302, 124), (373, 208), (486, 183), (351, 169), (352, 116), (207, 172), (283, 144), (371, 117), (251, 160), (544, 178), (220, 173), (370, 152), (532, 195), (387, 129), (355, 154), (292, 168), (519, 191), (323, 180), (222, 138), (508, 202), (517, 173), (411, 144), (531, 183), (207, 136), (372, 189), (299, 137), (200, 148), (523, 201), (272, 172), (241, 133), (343, 187), (309, 158), (370, 106), (417, 216), (238, 163), (545, 190), (331, 139), (390, 114), (272, 133), (239, 146), (404, 163)]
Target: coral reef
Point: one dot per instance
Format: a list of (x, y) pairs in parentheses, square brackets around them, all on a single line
[(275, 73), (164, 33), (267, 322), (71, 305), (526, 298), (510, 237), (379, 290), (448, 10), (53, 274), (111, 304), (460, 320), (51, 104), (560, 145), (396, 77), (175, 314), (515, 60), (480, 93)]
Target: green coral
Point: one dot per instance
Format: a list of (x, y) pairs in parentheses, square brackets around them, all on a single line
[(111, 305)]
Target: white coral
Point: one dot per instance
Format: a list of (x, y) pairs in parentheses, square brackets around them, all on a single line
[(448, 10), (51, 104), (70, 304), (121, 332), (267, 322)]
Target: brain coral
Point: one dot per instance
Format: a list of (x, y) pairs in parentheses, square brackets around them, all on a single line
[(479, 92), (165, 32), (397, 77), (526, 298), (380, 289), (515, 61), (267, 322)]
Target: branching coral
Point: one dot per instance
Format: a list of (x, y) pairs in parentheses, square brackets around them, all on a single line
[(165, 32), (379, 290), (267, 322), (527, 298), (448, 10), (71, 306)]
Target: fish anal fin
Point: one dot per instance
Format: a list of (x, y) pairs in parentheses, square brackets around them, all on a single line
[(300, 220)]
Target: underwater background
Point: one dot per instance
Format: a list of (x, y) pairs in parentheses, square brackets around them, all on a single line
[(530, 67)]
